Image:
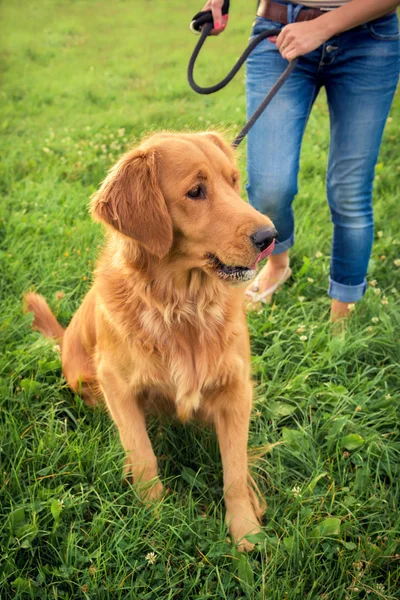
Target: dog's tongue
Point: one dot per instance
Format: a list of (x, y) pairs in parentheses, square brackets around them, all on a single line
[(264, 254)]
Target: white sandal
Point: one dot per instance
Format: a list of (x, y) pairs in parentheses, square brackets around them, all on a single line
[(266, 296)]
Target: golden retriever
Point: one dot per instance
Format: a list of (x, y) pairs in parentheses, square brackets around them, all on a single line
[(163, 325)]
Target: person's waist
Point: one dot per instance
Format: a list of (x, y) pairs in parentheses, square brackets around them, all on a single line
[(278, 11)]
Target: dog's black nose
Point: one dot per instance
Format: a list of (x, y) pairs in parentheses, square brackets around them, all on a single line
[(264, 237)]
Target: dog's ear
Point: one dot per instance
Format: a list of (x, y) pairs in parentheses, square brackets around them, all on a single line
[(130, 200), (218, 140)]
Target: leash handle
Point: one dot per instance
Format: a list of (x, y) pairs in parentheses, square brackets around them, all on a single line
[(219, 86), (204, 17)]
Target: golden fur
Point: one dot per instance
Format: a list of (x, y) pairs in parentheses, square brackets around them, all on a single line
[(160, 327)]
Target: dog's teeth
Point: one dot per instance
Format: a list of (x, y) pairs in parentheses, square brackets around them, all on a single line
[(231, 272)]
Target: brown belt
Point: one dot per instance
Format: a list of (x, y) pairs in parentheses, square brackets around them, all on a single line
[(278, 12)]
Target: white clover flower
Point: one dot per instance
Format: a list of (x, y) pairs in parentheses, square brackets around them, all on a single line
[(296, 490), (303, 338), (151, 558), (377, 291), (318, 254), (301, 329), (301, 298), (380, 234), (397, 262), (351, 307), (310, 280), (384, 300), (373, 282), (375, 319)]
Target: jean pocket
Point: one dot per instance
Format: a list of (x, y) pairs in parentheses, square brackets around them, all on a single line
[(385, 29), (261, 24)]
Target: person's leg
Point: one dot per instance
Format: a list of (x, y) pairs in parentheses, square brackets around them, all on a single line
[(273, 144), (360, 76)]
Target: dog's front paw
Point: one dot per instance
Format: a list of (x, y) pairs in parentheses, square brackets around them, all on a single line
[(150, 491), (148, 484), (241, 524)]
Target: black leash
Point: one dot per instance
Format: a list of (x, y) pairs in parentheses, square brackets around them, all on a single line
[(203, 21)]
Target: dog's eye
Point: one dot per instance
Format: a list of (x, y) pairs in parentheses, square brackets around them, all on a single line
[(198, 192)]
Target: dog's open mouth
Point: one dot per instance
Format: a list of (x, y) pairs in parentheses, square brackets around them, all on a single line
[(230, 272), (237, 272)]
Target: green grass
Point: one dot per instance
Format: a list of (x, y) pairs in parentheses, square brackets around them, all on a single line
[(81, 82)]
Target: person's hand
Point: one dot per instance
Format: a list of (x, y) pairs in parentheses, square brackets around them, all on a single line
[(220, 21), (297, 39)]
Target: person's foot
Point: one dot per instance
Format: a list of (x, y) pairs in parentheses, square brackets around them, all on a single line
[(274, 273), (340, 312)]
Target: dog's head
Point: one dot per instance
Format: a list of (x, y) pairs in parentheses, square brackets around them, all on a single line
[(177, 195)]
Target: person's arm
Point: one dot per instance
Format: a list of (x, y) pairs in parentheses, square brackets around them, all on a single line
[(297, 39)]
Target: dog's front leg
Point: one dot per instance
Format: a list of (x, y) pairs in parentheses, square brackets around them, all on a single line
[(140, 460), (232, 419)]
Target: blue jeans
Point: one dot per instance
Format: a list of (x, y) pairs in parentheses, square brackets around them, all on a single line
[(359, 70)]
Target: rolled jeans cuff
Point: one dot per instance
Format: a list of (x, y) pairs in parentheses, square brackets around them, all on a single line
[(283, 246), (346, 293)]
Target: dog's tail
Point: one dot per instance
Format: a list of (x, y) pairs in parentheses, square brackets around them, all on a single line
[(44, 320)]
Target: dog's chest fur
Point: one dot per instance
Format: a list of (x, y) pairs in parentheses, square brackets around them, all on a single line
[(184, 348), (183, 342), (193, 352)]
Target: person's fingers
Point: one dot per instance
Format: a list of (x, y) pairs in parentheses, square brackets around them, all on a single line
[(223, 24), (216, 9), (289, 52), (291, 55), (298, 39), (273, 39), (220, 21), (281, 39), (286, 43)]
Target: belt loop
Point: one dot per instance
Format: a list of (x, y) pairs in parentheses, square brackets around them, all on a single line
[(293, 11)]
